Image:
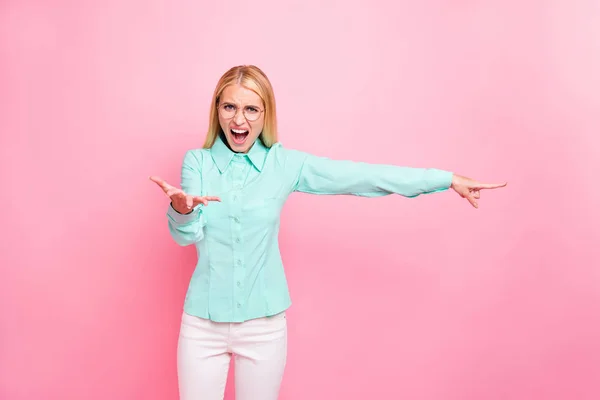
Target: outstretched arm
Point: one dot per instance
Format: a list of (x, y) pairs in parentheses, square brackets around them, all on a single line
[(321, 175)]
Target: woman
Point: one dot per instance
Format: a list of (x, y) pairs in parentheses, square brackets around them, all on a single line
[(238, 294)]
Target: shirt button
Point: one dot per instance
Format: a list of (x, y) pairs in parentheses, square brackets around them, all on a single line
[(239, 305), (234, 198), (237, 240), (239, 284), (239, 262), (237, 220)]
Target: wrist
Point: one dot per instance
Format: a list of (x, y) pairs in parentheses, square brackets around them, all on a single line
[(455, 180), (182, 212)]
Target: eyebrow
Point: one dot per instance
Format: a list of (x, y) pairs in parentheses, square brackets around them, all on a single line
[(233, 104)]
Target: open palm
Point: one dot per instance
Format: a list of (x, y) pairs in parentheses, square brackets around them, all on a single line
[(182, 203)]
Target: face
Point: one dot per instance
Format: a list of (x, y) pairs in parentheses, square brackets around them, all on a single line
[(241, 116)]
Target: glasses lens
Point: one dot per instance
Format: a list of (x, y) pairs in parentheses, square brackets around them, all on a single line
[(227, 110), (251, 114)]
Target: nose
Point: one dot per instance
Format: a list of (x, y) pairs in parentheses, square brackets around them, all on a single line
[(239, 117)]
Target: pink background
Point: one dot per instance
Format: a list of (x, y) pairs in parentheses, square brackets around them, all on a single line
[(393, 298)]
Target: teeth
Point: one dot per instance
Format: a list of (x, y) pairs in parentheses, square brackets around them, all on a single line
[(238, 131)]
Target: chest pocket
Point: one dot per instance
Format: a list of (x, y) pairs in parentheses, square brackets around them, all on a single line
[(216, 212), (255, 212), (262, 210)]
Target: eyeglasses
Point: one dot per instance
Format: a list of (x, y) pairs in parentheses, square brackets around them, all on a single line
[(251, 113)]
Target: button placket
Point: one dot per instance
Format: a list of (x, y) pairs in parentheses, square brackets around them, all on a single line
[(237, 180)]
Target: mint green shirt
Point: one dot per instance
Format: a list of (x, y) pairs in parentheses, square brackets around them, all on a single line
[(239, 274)]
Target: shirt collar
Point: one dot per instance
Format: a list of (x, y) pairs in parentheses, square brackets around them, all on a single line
[(222, 155)]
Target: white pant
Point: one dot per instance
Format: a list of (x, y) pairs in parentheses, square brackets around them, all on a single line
[(205, 349)]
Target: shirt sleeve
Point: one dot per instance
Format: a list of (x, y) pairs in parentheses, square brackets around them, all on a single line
[(188, 229), (321, 175)]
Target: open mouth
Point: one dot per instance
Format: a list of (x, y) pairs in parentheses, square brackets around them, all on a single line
[(239, 135)]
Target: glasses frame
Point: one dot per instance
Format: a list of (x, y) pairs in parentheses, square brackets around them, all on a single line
[(220, 111)]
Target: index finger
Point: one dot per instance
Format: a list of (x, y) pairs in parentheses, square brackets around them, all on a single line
[(491, 185), (206, 199)]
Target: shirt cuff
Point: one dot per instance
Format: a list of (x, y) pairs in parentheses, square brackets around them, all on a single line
[(438, 180), (183, 218)]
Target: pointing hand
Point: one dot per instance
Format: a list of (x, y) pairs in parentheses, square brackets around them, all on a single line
[(469, 188)]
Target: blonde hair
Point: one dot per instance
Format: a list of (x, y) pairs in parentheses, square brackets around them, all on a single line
[(252, 78)]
